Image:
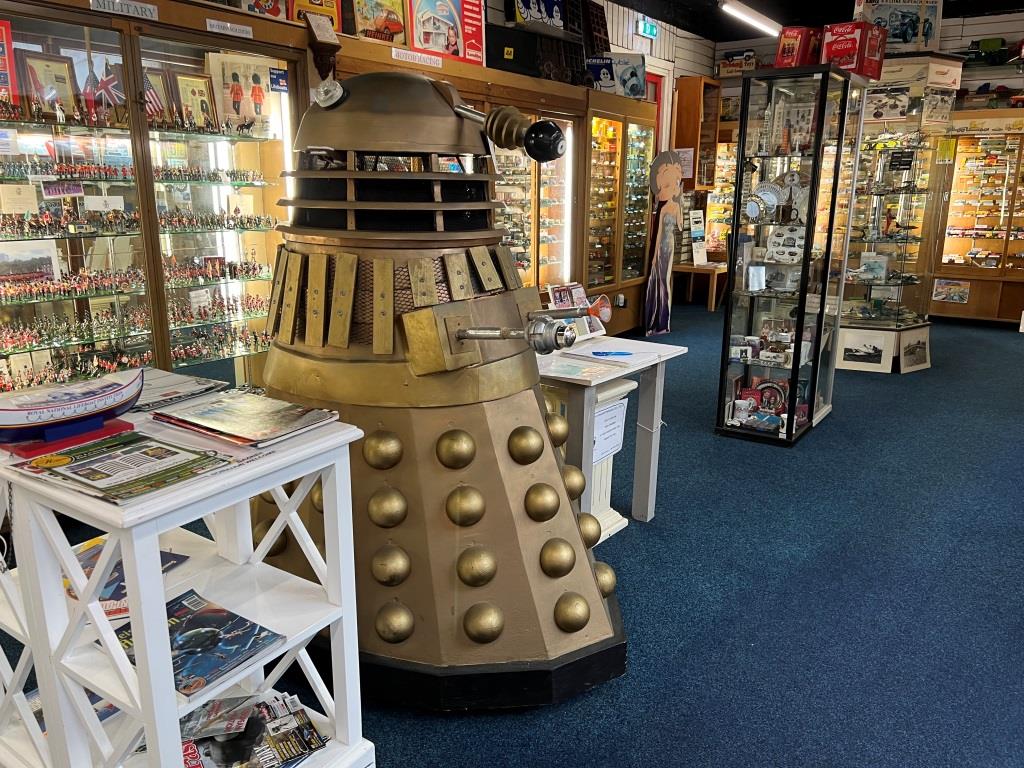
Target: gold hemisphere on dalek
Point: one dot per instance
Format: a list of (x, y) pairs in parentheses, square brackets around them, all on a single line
[(394, 303)]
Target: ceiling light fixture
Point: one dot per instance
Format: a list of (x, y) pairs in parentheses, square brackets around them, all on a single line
[(749, 16)]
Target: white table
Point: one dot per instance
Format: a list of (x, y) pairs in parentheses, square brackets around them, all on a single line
[(582, 377), (61, 633)]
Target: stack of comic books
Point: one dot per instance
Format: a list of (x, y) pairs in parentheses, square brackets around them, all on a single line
[(267, 731)]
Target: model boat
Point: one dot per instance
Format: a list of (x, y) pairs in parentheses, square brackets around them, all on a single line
[(34, 415)]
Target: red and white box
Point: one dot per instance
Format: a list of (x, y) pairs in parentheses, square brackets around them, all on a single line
[(798, 46), (856, 46)]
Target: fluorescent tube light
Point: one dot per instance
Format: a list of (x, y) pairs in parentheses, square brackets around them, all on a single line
[(750, 16)]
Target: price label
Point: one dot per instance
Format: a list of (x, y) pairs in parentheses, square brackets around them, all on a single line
[(104, 203), (200, 299)]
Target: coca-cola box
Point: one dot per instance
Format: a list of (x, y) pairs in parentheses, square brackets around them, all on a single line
[(856, 46), (798, 46)]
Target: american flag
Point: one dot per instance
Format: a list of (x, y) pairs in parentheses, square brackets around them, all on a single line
[(154, 104), (89, 92), (110, 87)]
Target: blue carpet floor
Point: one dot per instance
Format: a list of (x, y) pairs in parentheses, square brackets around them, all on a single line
[(856, 601)]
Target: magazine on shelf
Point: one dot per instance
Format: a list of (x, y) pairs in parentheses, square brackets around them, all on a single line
[(268, 731), (163, 388), (207, 641), (121, 468), (113, 597), (104, 709), (245, 419)]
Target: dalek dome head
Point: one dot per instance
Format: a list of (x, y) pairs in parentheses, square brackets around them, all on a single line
[(391, 112)]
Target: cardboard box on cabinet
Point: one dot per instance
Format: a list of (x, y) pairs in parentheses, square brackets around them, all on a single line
[(798, 46), (856, 46)]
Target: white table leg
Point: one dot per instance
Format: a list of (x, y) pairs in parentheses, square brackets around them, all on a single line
[(47, 617), (341, 590), (158, 701), (648, 441), (233, 531), (579, 449)]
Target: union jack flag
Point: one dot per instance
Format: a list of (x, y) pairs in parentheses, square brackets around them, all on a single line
[(110, 87)]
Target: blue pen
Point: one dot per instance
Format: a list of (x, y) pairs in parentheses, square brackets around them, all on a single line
[(598, 353)]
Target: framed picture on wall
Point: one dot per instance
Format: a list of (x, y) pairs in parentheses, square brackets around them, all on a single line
[(157, 95), (46, 80), (194, 97), (242, 90)]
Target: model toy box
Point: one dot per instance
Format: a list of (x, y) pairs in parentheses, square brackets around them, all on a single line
[(798, 46), (856, 46), (297, 10)]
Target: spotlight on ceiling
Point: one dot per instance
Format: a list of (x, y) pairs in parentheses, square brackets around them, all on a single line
[(749, 16)]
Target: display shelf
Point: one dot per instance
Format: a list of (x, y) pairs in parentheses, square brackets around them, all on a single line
[(65, 129), (237, 352), (788, 239), (604, 198), (162, 135), (71, 343), (75, 236), (233, 184), (224, 570), (286, 604), (637, 197), (238, 230), (217, 281), (227, 320), (136, 291)]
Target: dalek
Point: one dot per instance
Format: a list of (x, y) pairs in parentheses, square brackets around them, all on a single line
[(395, 304)]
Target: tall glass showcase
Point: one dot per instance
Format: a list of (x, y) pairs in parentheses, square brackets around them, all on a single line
[(538, 209), (135, 231), (619, 201), (73, 283), (799, 131), (888, 276)]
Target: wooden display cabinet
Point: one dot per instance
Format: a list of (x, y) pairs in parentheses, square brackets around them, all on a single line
[(614, 233), (696, 125), (979, 266)]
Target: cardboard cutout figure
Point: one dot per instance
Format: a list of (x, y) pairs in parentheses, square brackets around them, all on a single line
[(666, 186)]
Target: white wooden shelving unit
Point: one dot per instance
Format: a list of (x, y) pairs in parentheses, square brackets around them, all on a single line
[(60, 635)]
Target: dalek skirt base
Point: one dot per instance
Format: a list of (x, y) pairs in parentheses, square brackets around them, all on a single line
[(395, 304)]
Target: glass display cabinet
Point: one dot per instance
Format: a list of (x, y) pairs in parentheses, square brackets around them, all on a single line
[(216, 163), (720, 199), (619, 201), (799, 133), (698, 101), (135, 231), (888, 276), (538, 212), (979, 271), (73, 281), (603, 200)]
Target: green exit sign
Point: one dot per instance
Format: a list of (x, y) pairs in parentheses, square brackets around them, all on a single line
[(646, 28)]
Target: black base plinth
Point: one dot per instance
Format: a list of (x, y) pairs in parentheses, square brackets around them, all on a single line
[(513, 685)]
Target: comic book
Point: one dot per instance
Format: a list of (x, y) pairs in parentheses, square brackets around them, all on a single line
[(104, 709), (207, 641), (268, 731), (113, 597)]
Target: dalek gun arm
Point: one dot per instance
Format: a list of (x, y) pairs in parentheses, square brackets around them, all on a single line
[(544, 332)]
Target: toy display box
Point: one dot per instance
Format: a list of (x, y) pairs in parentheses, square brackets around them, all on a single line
[(798, 46), (856, 46)]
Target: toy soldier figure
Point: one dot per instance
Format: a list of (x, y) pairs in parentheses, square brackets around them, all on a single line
[(58, 108)]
